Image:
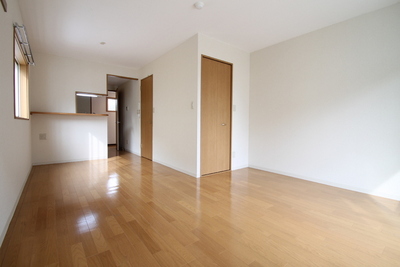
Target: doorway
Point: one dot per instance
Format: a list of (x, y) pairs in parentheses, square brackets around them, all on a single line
[(146, 96), (216, 103), (114, 82)]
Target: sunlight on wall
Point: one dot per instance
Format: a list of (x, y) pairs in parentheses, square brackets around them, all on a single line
[(390, 186), (97, 149)]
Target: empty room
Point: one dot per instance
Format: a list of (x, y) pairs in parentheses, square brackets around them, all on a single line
[(200, 133)]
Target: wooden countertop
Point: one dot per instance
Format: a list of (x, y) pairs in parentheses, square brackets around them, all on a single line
[(68, 114)]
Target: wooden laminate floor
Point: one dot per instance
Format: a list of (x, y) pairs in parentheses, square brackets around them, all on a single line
[(128, 211)]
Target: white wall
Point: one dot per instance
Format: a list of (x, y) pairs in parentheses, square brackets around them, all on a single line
[(240, 95), (176, 125), (325, 106), (174, 121), (15, 146), (56, 79), (68, 138), (129, 114)]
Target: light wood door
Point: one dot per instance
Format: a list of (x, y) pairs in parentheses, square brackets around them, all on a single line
[(147, 117), (216, 95)]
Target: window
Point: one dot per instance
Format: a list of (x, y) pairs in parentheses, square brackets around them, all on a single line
[(21, 93), (111, 104)]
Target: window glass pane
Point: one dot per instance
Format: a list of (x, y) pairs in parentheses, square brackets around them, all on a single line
[(17, 89), (111, 104)]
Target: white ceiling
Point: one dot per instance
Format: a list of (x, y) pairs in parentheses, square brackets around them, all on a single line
[(113, 82), (138, 31)]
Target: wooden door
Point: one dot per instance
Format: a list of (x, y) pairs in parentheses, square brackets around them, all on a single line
[(216, 99), (146, 88)]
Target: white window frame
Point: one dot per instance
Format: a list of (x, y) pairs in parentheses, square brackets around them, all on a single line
[(21, 82)]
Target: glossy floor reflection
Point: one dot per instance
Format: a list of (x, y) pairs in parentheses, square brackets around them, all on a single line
[(113, 152), (128, 211)]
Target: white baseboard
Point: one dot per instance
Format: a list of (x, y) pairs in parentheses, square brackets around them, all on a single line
[(320, 181), (175, 168), (3, 233)]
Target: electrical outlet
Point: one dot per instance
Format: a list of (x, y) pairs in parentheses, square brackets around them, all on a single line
[(42, 136), (233, 154)]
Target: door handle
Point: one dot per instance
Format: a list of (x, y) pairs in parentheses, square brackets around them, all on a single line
[(223, 124)]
